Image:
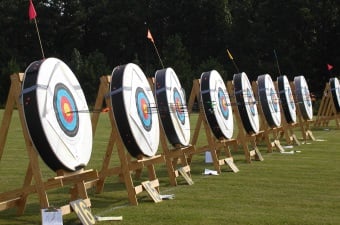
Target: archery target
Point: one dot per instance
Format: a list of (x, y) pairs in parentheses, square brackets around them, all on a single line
[(216, 104), (287, 99), (65, 108), (134, 109), (335, 90), (269, 100), (246, 103), (303, 97), (52, 101), (172, 108)]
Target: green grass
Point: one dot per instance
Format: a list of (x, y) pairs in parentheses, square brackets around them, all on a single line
[(302, 188)]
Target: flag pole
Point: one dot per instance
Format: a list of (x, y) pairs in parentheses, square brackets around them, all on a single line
[(277, 62), (32, 14), (232, 59), (149, 36), (41, 47), (159, 57)]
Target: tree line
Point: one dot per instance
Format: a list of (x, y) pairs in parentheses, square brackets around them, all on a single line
[(192, 36)]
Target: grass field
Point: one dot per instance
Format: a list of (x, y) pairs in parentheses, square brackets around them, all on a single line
[(302, 188)]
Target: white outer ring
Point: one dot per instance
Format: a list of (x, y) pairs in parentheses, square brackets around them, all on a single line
[(182, 130), (254, 119), (133, 78), (303, 97), (216, 82), (289, 98), (71, 151), (269, 85), (336, 89)]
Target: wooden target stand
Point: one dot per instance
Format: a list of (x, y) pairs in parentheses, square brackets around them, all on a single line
[(214, 146), (243, 138), (286, 129), (176, 157), (327, 110), (33, 182), (127, 165), (302, 123), (265, 129)]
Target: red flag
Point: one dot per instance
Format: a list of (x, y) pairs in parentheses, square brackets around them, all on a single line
[(31, 11), (329, 67), (149, 36)]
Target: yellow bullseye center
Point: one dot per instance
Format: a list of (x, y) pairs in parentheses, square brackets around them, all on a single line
[(224, 103), (178, 105), (67, 109), (145, 109)]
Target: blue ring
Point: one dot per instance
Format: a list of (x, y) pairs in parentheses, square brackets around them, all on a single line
[(274, 101), (222, 96), (146, 122), (180, 115), (69, 128), (251, 103)]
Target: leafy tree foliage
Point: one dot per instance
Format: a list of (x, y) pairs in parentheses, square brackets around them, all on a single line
[(192, 36)]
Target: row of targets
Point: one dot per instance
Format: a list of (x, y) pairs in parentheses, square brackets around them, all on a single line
[(137, 111), (218, 110), (58, 118)]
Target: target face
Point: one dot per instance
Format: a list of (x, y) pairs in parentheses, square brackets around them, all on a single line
[(179, 105), (52, 99), (216, 104), (303, 97), (246, 103), (269, 100), (223, 103), (134, 109), (66, 110), (287, 99), (172, 107), (335, 90), (143, 109)]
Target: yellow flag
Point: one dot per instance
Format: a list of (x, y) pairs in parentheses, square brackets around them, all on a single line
[(230, 56)]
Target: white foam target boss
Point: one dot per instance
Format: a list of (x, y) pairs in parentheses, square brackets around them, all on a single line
[(287, 99), (56, 115), (134, 109), (269, 100), (303, 97), (335, 90), (246, 103), (216, 104), (170, 98)]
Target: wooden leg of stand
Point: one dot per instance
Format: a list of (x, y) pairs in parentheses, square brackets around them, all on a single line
[(171, 171), (215, 160), (246, 151), (152, 174), (27, 181), (106, 164), (38, 179), (130, 188)]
